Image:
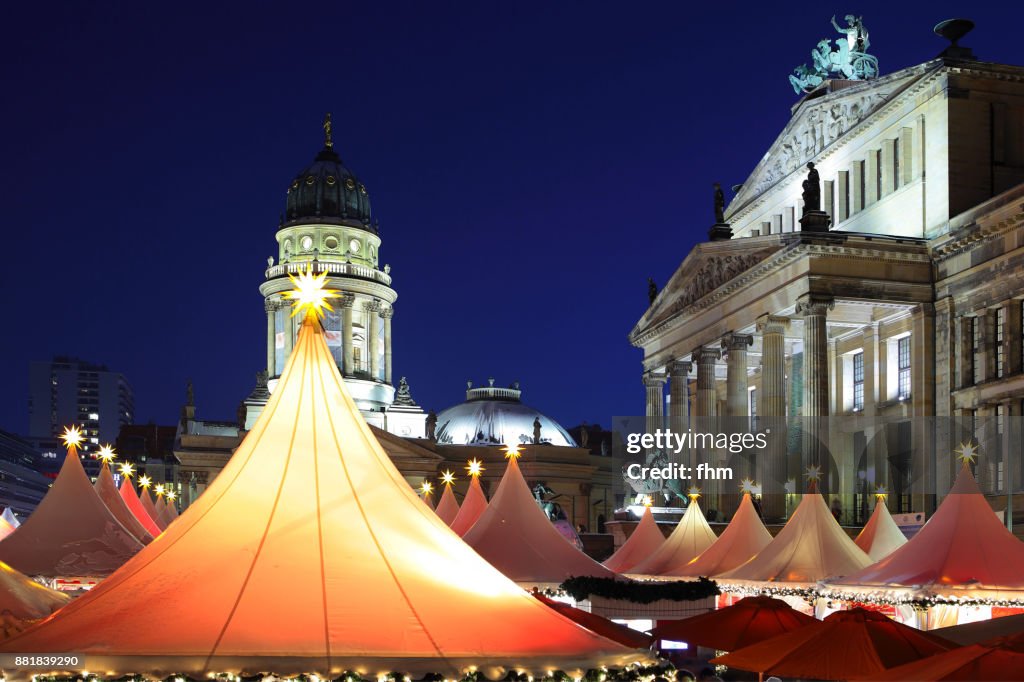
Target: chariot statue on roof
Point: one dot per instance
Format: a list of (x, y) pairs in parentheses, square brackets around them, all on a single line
[(847, 59)]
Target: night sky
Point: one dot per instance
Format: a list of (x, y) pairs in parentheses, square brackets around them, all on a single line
[(530, 164)]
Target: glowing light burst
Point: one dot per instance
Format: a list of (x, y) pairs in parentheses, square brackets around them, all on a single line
[(127, 469), (813, 473), (693, 493), (159, 489), (881, 493), (475, 467), (72, 436), (145, 481), (747, 485), (967, 452), (426, 488), (171, 495), (309, 294), (512, 451), (106, 454), (648, 501), (447, 477)]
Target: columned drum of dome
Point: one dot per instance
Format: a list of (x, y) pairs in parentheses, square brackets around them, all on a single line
[(327, 225), (496, 416)]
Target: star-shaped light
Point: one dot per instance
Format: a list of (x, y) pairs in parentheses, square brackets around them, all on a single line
[(426, 488), (72, 437), (159, 489), (813, 473), (512, 451), (647, 501), (693, 493), (106, 454), (475, 468), (145, 481), (881, 493), (747, 485), (171, 495), (447, 477), (309, 294), (127, 469), (967, 452)]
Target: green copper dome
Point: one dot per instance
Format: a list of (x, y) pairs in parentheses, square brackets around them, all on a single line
[(328, 192)]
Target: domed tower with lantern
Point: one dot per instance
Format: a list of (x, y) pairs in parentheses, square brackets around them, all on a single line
[(327, 225)]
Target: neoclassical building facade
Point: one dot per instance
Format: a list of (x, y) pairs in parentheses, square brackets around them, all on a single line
[(847, 339)]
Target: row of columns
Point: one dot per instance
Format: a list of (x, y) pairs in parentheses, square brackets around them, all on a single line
[(375, 312)]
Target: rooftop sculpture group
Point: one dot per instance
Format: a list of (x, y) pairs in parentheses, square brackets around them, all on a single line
[(848, 59)]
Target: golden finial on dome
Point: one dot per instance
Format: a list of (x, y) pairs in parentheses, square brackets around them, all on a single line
[(328, 139)]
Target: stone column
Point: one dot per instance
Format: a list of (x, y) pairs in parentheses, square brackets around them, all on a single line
[(814, 310), (348, 301), (922, 391), (772, 415), (874, 437), (655, 412), (373, 313), (386, 314), (706, 422), (270, 306), (1012, 337), (735, 350), (679, 412), (289, 335)]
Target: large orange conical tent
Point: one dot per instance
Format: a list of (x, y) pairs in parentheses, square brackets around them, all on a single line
[(71, 533), (963, 551), (741, 540), (106, 488), (518, 539), (645, 541), (811, 547), (473, 504), (690, 538), (880, 536), (310, 553)]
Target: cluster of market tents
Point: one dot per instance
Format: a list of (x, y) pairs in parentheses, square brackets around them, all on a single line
[(311, 525)]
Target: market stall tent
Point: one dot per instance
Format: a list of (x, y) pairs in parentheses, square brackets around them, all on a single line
[(642, 543), (688, 540), (107, 490), (880, 536), (448, 506), (131, 500), (741, 540), (310, 553), (473, 505)]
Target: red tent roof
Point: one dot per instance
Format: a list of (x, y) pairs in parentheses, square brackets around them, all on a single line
[(812, 546), (473, 505), (616, 632), (880, 536), (309, 552), (748, 621), (150, 507), (448, 507), (690, 538), (133, 503), (517, 538), (107, 490), (743, 538), (644, 541), (962, 550), (71, 533), (997, 659)]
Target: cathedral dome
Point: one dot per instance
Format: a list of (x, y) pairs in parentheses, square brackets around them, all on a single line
[(328, 192), (496, 416)]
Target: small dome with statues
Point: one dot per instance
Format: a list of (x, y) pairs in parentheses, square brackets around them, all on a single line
[(328, 192), (497, 416)]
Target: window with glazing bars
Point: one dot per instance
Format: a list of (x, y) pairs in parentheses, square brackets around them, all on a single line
[(1000, 357), (976, 371), (858, 381), (903, 359)]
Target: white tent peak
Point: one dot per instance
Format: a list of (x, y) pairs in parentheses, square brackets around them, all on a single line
[(880, 536), (473, 505), (741, 540), (644, 541), (448, 507), (310, 553), (687, 541)]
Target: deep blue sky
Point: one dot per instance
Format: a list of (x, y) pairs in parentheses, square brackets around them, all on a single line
[(531, 164)]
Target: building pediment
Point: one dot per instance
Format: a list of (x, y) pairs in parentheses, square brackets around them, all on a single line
[(710, 266), (820, 122)]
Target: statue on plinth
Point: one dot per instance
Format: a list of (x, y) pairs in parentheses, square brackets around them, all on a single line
[(812, 190), (652, 290), (536, 430), (719, 204), (432, 426)]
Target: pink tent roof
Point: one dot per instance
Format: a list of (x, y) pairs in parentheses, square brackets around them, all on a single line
[(880, 536), (811, 547), (644, 541), (963, 550), (743, 538), (150, 507), (133, 503), (107, 490), (71, 533), (473, 505), (690, 538), (24, 598), (5, 528), (448, 507), (9, 517), (166, 515), (428, 500), (517, 538), (311, 527)]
